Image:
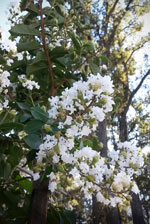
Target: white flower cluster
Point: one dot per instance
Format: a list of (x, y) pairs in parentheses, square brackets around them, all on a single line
[(83, 105), (77, 113), (29, 84), (4, 84)]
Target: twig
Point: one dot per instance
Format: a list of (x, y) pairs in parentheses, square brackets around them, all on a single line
[(46, 50), (135, 91), (25, 171), (86, 60)]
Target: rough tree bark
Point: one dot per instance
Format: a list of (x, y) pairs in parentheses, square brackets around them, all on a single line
[(137, 212), (39, 203), (102, 214), (136, 207)]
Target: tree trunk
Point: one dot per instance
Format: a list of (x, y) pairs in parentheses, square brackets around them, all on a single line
[(102, 214), (99, 214), (102, 137), (123, 128), (137, 213), (113, 216), (39, 203)]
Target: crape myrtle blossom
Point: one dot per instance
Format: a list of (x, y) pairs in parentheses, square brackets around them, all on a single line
[(4, 84), (76, 114), (29, 84), (5, 76)]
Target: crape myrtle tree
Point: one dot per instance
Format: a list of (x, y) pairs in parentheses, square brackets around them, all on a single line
[(55, 95)]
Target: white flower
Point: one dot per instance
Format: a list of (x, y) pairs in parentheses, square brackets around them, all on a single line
[(97, 113), (52, 176), (9, 62), (29, 84), (56, 158), (100, 198), (135, 189), (36, 176), (52, 186), (84, 167)]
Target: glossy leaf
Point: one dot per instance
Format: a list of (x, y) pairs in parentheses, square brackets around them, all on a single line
[(33, 140), (25, 30)]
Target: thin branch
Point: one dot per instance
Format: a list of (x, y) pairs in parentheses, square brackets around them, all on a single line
[(136, 49), (113, 8), (128, 5), (62, 83), (25, 171), (86, 60), (46, 50), (135, 91)]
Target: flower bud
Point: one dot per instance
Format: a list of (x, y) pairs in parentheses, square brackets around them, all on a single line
[(47, 127), (90, 178), (12, 113), (43, 108)]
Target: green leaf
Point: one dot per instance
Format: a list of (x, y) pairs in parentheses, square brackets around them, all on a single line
[(104, 58), (32, 7), (95, 143), (58, 52), (39, 114), (5, 170), (87, 142), (17, 64), (25, 117), (33, 126), (36, 67), (89, 47), (2, 59), (94, 65), (76, 41), (33, 140), (26, 184), (23, 106), (11, 125), (23, 29), (12, 158), (28, 46), (39, 63)]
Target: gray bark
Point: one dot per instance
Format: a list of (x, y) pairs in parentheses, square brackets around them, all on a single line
[(39, 203), (102, 214), (137, 212)]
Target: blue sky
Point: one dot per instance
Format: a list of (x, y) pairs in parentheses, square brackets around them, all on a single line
[(3, 8)]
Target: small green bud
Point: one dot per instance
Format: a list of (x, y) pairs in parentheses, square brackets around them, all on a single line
[(74, 17), (79, 119), (95, 160), (90, 190), (37, 169), (47, 127), (12, 113), (51, 153), (124, 154), (40, 165), (61, 115), (90, 178), (56, 148), (31, 77), (101, 146), (58, 134), (71, 11), (80, 96), (60, 168), (43, 108)]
